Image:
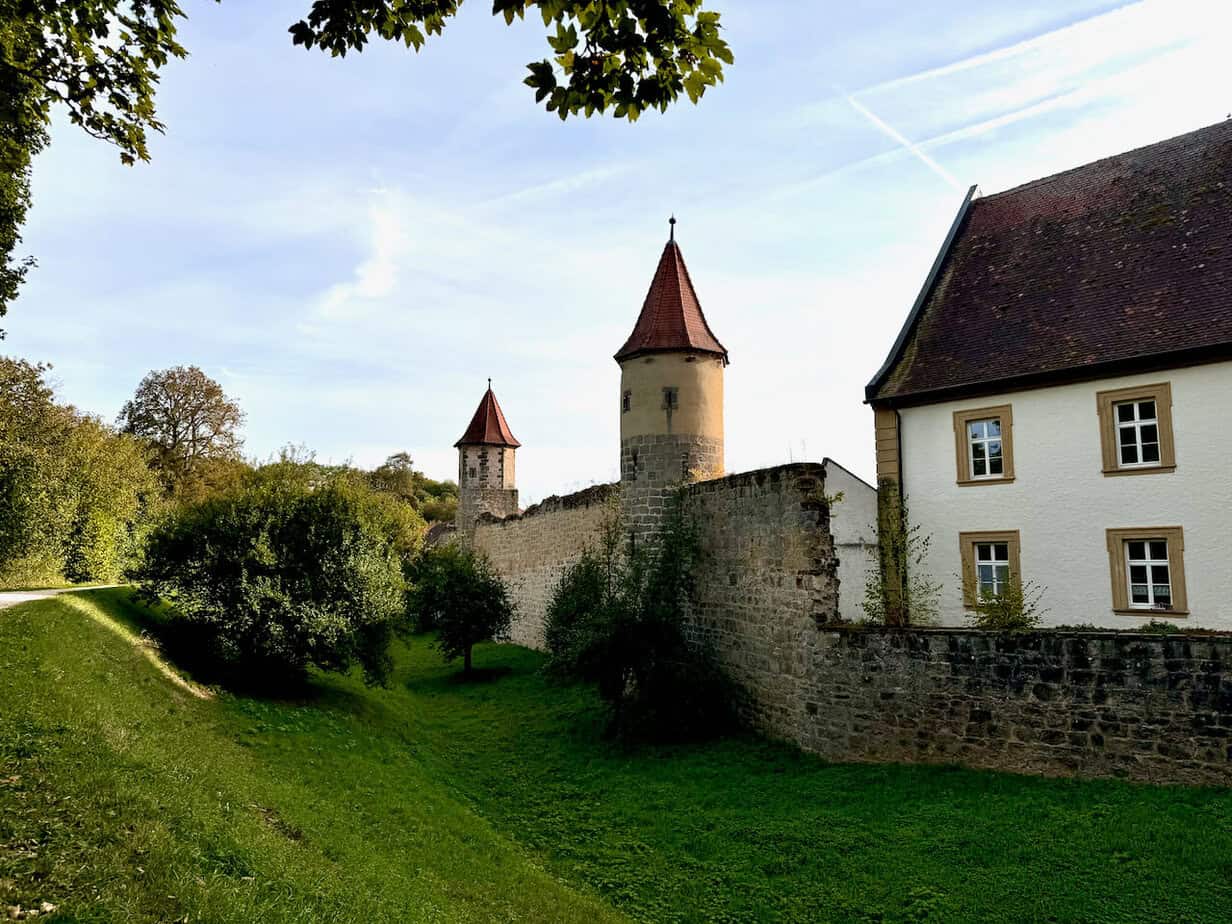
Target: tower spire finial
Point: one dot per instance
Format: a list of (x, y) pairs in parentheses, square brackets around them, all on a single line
[(489, 383), (672, 222)]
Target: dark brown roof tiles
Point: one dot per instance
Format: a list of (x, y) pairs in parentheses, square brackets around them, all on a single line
[(1127, 257)]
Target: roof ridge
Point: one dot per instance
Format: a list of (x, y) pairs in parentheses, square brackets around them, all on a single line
[(1053, 177)]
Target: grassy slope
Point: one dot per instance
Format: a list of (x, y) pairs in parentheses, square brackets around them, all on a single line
[(438, 800)]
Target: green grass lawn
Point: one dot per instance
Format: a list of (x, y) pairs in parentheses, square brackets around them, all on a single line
[(124, 796)]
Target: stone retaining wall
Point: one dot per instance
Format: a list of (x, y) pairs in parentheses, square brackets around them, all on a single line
[(1145, 707)]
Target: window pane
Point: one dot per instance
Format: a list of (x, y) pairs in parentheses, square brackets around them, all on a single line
[(1125, 412), (1146, 410), (979, 467), (994, 449), (1128, 436), (1129, 455), (1159, 575), (1003, 574), (1150, 433), (978, 450), (977, 429), (983, 552), (1137, 574), (1137, 551), (1159, 550), (1001, 551), (995, 467), (1163, 596), (985, 576), (1150, 452), (992, 427), (1138, 594)]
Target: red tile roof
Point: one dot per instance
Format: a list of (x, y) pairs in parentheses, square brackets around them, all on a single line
[(1118, 263), (671, 318), (488, 426)]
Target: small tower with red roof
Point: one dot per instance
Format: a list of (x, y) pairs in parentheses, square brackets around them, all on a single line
[(486, 464), (671, 395)]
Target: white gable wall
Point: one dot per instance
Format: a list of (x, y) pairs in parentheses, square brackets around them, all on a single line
[(1061, 502), (853, 523)]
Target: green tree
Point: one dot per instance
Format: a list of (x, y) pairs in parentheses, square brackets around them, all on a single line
[(75, 496), (23, 133), (617, 619), (188, 421), (435, 501), (281, 573), (458, 593), (101, 60)]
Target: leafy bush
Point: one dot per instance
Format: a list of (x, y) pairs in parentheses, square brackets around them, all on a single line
[(898, 588), (75, 496), (616, 619), (280, 573), (458, 593), (1016, 608)]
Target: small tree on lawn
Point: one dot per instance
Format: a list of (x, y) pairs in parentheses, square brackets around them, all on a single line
[(458, 593)]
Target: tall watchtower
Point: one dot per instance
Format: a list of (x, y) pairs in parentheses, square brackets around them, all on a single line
[(671, 395), (486, 465)]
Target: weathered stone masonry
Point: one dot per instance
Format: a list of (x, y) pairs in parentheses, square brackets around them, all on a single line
[(532, 550), (1145, 707), (767, 577)]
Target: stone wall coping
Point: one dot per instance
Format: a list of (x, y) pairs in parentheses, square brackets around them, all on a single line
[(1127, 634), (595, 494), (761, 475)]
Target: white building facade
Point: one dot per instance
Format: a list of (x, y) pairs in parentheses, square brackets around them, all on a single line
[(1067, 520), (1054, 409)]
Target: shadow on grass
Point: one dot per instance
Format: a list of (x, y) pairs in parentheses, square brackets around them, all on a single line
[(187, 648)]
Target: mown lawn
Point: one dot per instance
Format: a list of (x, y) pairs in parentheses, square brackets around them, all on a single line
[(125, 797)]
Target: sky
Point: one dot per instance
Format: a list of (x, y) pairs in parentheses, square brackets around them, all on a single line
[(351, 247)]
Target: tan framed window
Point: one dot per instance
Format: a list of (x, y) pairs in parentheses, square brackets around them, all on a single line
[(1148, 570), (990, 561), (984, 445), (1135, 429)]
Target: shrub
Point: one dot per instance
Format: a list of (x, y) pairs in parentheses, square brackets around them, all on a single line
[(617, 620), (458, 593), (279, 573), (1016, 608), (898, 589)]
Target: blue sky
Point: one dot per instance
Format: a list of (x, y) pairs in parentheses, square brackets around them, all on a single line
[(352, 246)]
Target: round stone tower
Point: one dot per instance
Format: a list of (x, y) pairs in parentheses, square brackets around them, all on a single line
[(486, 465), (671, 395)]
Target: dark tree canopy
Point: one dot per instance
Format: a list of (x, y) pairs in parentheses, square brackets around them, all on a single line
[(187, 418), (23, 133)]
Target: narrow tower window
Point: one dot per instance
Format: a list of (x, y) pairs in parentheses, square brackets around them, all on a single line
[(671, 398), (626, 402)]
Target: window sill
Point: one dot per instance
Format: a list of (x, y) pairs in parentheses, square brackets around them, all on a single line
[(1171, 614), (973, 481), (1144, 470)]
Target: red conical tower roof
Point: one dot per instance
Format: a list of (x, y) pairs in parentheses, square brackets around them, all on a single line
[(671, 318), (488, 427)]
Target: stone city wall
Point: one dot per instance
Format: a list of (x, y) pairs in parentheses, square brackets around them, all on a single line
[(1145, 707), (766, 579), (531, 550)]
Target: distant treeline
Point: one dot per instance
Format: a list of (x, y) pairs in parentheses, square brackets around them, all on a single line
[(80, 496)]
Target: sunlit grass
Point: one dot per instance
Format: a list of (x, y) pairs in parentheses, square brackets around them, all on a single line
[(434, 799)]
